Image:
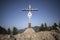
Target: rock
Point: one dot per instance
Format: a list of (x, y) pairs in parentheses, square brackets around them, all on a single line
[(30, 34)]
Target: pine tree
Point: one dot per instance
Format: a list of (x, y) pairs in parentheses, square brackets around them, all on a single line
[(42, 27), (59, 25), (54, 26), (3, 30), (45, 27), (15, 31), (9, 31)]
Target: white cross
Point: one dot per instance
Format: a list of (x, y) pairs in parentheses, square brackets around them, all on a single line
[(29, 9)]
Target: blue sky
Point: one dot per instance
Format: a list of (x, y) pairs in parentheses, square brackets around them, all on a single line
[(11, 14)]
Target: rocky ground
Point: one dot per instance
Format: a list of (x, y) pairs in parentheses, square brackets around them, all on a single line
[(30, 34)]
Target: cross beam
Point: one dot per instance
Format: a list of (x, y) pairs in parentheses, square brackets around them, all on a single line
[(29, 9)]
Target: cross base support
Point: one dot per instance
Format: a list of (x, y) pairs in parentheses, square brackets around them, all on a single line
[(29, 25)]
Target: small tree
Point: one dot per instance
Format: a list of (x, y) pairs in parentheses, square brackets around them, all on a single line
[(59, 25), (9, 31), (54, 26), (42, 27), (15, 31), (46, 27), (3, 30)]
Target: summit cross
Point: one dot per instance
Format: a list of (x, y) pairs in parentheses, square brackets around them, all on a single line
[(29, 9)]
